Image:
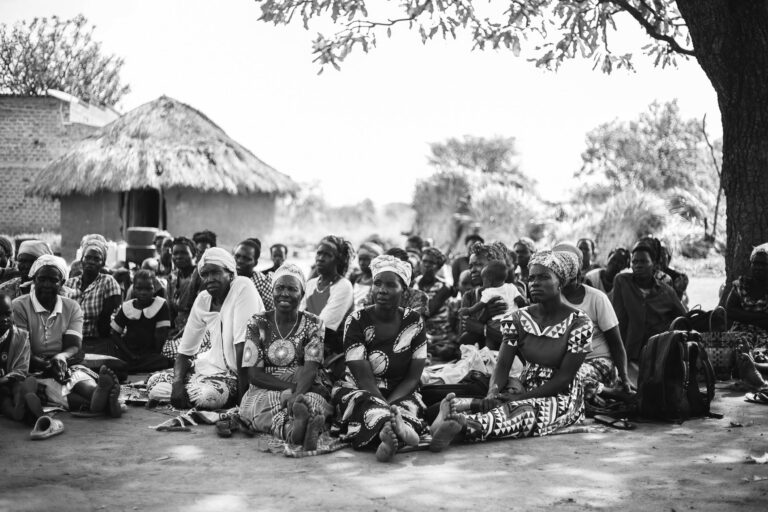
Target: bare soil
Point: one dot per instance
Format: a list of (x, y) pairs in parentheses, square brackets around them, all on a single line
[(114, 465)]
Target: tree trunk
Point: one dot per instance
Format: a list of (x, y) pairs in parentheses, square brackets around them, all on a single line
[(730, 38)]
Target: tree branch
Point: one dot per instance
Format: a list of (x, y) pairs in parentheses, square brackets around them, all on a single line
[(649, 28)]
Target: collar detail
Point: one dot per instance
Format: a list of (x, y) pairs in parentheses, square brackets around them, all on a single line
[(133, 313)]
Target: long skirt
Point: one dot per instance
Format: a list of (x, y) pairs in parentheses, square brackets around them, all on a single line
[(363, 415), (597, 374), (262, 411), (530, 417), (209, 392)]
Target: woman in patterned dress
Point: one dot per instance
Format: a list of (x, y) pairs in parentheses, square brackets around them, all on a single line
[(438, 292), (386, 350), (554, 339), (283, 353)]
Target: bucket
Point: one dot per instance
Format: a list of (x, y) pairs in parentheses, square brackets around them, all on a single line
[(140, 237)]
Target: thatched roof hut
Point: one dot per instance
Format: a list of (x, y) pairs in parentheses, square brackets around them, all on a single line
[(163, 164)]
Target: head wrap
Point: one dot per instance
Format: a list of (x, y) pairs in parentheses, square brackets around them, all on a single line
[(34, 248), (435, 253), (527, 242), (760, 249), (564, 264), (217, 256), (387, 263), (49, 260), (343, 250), (7, 246), (94, 241), (565, 247), (647, 245), (623, 255), (289, 269), (371, 248)]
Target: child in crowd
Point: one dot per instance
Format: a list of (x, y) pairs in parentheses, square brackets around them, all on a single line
[(18, 390), (494, 285), (141, 325), (454, 303)]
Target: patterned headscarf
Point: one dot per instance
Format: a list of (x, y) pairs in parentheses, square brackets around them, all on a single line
[(527, 242), (565, 247), (760, 249), (564, 264), (370, 248), (291, 270), (94, 241), (343, 250), (435, 253), (217, 256), (387, 263), (49, 260), (493, 252), (34, 248)]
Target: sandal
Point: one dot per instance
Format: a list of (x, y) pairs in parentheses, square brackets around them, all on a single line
[(172, 425), (760, 397), (617, 423), (46, 427)]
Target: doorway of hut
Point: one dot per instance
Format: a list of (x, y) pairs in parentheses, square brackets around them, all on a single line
[(143, 208)]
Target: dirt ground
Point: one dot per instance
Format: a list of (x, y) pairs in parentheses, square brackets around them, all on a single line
[(114, 465)]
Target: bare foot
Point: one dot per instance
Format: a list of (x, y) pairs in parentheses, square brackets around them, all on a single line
[(33, 404), (300, 419), (748, 372), (451, 425), (403, 430), (113, 402), (100, 397), (446, 405), (314, 429), (388, 446)]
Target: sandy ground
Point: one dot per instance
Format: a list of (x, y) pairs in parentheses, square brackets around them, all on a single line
[(105, 464)]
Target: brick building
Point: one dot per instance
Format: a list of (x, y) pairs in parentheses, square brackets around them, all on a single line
[(34, 130)]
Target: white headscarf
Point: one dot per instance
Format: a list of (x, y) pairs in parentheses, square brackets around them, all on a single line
[(49, 260), (289, 269), (217, 256)]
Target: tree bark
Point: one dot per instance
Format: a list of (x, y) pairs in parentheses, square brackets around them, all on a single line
[(730, 38)]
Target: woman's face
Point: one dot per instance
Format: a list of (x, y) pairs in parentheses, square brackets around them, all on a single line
[(92, 261), (182, 256), (325, 259), (586, 252), (387, 289), (216, 280), (24, 262), (642, 264), (278, 255), (543, 283), (287, 294), (476, 265), (523, 255), (3, 258), (429, 265), (5, 313), (245, 260), (759, 266), (48, 281), (364, 261)]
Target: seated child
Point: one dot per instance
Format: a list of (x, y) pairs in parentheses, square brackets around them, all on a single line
[(18, 390), (454, 303), (141, 325), (494, 285)]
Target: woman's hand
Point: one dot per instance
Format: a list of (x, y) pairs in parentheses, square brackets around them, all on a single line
[(496, 306), (492, 400), (179, 397), (59, 368)]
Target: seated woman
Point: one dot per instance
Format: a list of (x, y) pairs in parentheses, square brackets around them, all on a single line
[(98, 295), (644, 305), (208, 378), (141, 325), (181, 292), (602, 278), (55, 324), (29, 251), (361, 280), (330, 295), (285, 398), (18, 389), (438, 293), (605, 368), (386, 350), (247, 255), (411, 298), (553, 338)]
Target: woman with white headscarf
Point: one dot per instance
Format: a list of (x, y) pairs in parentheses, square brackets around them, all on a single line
[(553, 338), (385, 348), (29, 251), (205, 372), (283, 353)]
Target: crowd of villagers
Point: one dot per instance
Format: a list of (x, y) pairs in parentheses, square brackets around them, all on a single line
[(344, 350)]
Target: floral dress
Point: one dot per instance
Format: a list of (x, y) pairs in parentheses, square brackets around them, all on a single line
[(747, 303), (362, 414), (537, 416), (260, 408)]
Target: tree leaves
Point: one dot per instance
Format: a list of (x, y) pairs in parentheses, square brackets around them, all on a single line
[(50, 53)]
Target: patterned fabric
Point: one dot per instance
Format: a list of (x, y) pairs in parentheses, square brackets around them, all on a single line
[(171, 347), (278, 356), (537, 416), (597, 374), (564, 264), (760, 305), (262, 411), (438, 325), (288, 269), (179, 292), (264, 287), (387, 263), (15, 287), (207, 392), (411, 298), (91, 299)]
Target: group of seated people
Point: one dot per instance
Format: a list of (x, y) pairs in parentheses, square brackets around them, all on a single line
[(344, 347)]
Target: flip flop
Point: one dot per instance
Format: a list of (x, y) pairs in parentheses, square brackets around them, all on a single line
[(46, 427), (760, 397), (617, 423)]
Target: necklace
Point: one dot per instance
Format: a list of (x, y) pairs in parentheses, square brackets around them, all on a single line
[(277, 326), (321, 290)]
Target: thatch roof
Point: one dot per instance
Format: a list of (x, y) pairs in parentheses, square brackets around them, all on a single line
[(161, 144)]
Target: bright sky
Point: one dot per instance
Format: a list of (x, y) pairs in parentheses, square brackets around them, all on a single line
[(364, 131)]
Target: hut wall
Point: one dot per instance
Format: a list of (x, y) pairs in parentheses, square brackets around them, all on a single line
[(81, 215), (232, 217)]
